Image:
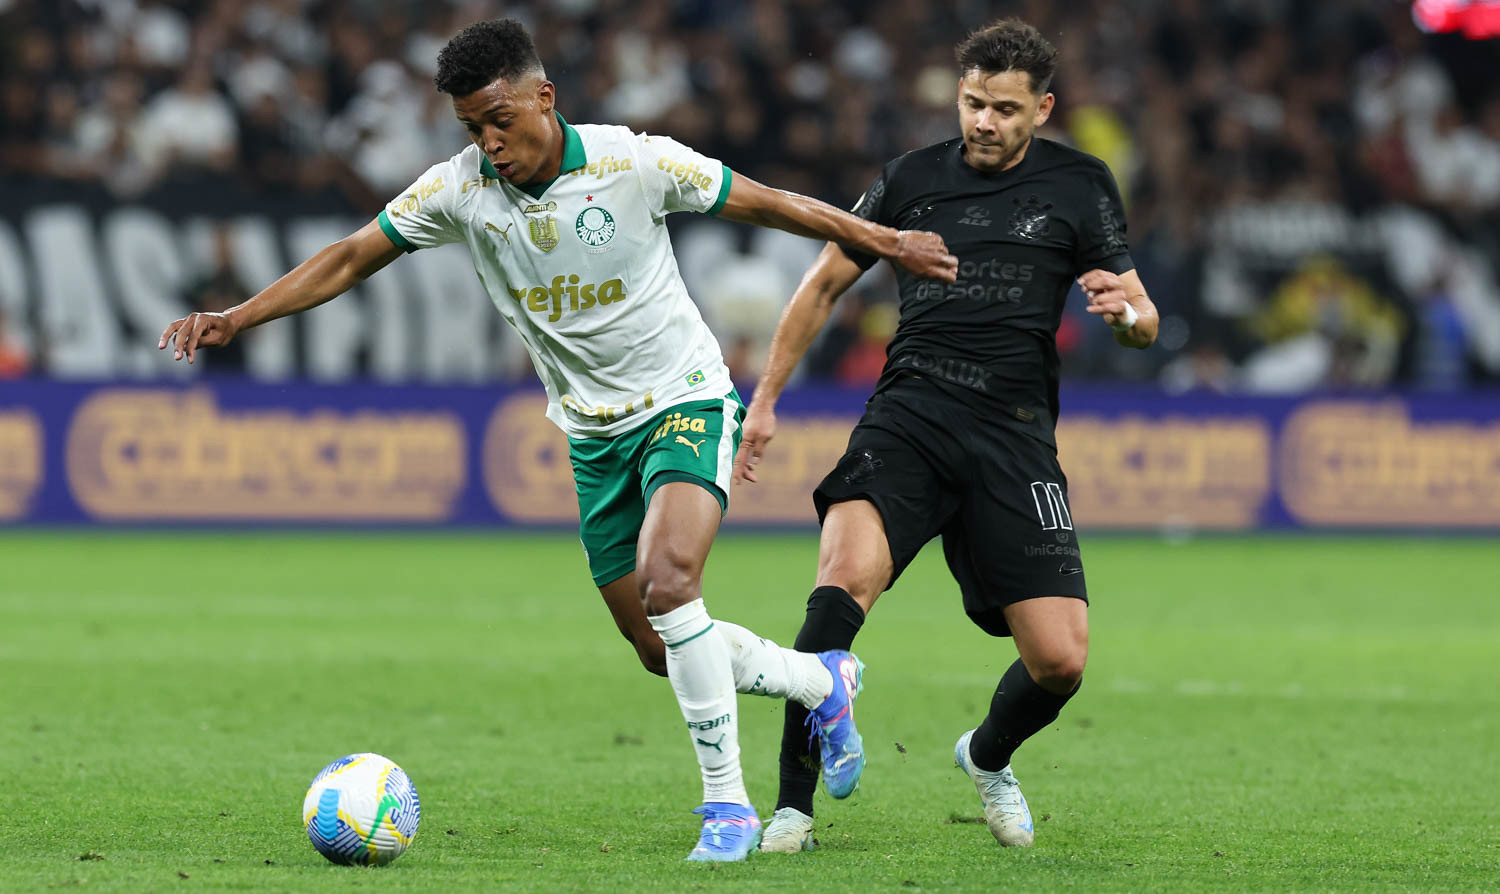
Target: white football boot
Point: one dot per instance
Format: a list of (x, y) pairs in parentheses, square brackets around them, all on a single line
[(1005, 810), (789, 831)]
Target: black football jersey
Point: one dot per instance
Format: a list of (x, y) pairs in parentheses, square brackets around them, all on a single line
[(1021, 236)]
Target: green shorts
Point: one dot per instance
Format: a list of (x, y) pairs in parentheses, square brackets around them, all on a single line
[(615, 477)]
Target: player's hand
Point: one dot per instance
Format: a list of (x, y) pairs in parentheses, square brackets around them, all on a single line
[(198, 330), (756, 432), (925, 255), (1106, 295)]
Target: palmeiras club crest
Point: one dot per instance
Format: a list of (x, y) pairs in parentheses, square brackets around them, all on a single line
[(1030, 218), (594, 226)]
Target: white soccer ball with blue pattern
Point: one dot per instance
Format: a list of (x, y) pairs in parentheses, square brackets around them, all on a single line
[(361, 809)]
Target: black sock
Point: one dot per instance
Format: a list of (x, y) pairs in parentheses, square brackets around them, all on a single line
[(1018, 711), (833, 619)]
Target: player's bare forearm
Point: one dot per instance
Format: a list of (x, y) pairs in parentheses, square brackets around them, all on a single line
[(755, 203), (322, 277), (326, 275), (1116, 298), (923, 254), (804, 317)]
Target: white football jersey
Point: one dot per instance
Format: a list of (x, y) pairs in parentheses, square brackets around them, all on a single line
[(583, 268)]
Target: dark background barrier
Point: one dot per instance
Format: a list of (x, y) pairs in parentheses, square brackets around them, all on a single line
[(240, 452)]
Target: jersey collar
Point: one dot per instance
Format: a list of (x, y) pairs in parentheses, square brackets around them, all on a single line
[(573, 158)]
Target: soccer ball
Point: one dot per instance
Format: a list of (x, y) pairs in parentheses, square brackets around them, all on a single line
[(361, 809)]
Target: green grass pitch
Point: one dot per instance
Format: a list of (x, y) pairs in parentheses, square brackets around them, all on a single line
[(1262, 713)]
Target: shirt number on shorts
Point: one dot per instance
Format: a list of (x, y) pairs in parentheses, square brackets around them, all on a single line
[(1051, 508)]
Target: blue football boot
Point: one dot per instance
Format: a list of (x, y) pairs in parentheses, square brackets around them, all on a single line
[(730, 833), (840, 747)]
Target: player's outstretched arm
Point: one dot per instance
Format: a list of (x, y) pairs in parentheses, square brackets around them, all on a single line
[(1121, 300), (804, 317), (922, 254), (322, 277)]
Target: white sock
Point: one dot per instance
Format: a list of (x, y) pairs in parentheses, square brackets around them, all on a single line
[(763, 668), (699, 669)]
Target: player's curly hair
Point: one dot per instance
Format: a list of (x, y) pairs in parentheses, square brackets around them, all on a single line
[(484, 51), (1010, 45)]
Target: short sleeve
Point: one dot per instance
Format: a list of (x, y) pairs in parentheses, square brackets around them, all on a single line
[(677, 178), (1101, 230), (871, 207), (425, 216)]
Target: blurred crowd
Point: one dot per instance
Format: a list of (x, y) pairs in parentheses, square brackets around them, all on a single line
[(1313, 189)]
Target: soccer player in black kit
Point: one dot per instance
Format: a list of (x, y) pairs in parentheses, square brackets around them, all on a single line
[(958, 438)]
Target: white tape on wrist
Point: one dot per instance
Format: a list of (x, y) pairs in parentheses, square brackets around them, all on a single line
[(1125, 322)]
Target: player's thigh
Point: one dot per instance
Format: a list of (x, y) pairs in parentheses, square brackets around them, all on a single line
[(616, 477), (1052, 637), (678, 532), (893, 494), (853, 553), (1013, 538), (686, 459)]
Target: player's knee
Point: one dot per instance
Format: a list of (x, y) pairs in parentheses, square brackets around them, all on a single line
[(667, 581), (856, 578), (1058, 672)]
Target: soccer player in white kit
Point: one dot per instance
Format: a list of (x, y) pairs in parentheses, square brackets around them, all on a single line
[(566, 228)]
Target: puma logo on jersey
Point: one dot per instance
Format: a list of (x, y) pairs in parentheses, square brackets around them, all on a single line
[(567, 294), (504, 234), (682, 440)]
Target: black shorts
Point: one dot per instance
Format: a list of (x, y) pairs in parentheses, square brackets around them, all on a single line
[(932, 465)]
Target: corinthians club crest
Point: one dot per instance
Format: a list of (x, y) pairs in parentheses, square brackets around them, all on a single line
[(1030, 218), (543, 230)]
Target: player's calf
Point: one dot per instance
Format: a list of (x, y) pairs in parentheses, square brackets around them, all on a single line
[(1019, 709), (623, 598), (652, 654)]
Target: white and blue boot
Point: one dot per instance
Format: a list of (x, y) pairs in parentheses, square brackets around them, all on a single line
[(1005, 810), (788, 832)]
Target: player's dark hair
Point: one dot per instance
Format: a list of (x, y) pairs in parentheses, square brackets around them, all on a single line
[(484, 51), (1010, 45)]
